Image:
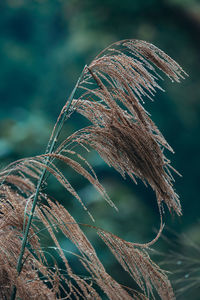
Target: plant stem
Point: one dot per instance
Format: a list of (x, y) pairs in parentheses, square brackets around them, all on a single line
[(51, 149)]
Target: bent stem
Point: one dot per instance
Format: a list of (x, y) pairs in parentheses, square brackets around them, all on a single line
[(50, 149)]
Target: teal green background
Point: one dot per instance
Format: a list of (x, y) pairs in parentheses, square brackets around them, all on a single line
[(43, 47)]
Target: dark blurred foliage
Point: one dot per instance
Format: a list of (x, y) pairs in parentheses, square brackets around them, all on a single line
[(43, 47)]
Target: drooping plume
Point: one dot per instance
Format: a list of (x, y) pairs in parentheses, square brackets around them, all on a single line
[(122, 132), (114, 87)]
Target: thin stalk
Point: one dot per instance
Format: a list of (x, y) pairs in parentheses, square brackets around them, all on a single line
[(51, 146)]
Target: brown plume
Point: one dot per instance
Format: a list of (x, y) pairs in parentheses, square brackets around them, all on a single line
[(122, 130), (114, 86)]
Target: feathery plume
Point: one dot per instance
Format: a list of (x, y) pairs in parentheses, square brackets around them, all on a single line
[(114, 86)]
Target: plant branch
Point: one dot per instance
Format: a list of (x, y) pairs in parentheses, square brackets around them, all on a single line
[(51, 147)]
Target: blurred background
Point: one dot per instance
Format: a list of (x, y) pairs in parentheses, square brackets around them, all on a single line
[(44, 45)]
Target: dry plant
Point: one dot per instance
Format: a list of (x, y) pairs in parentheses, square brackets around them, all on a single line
[(111, 93)]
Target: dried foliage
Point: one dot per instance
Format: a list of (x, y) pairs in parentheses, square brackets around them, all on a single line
[(136, 261), (122, 132)]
